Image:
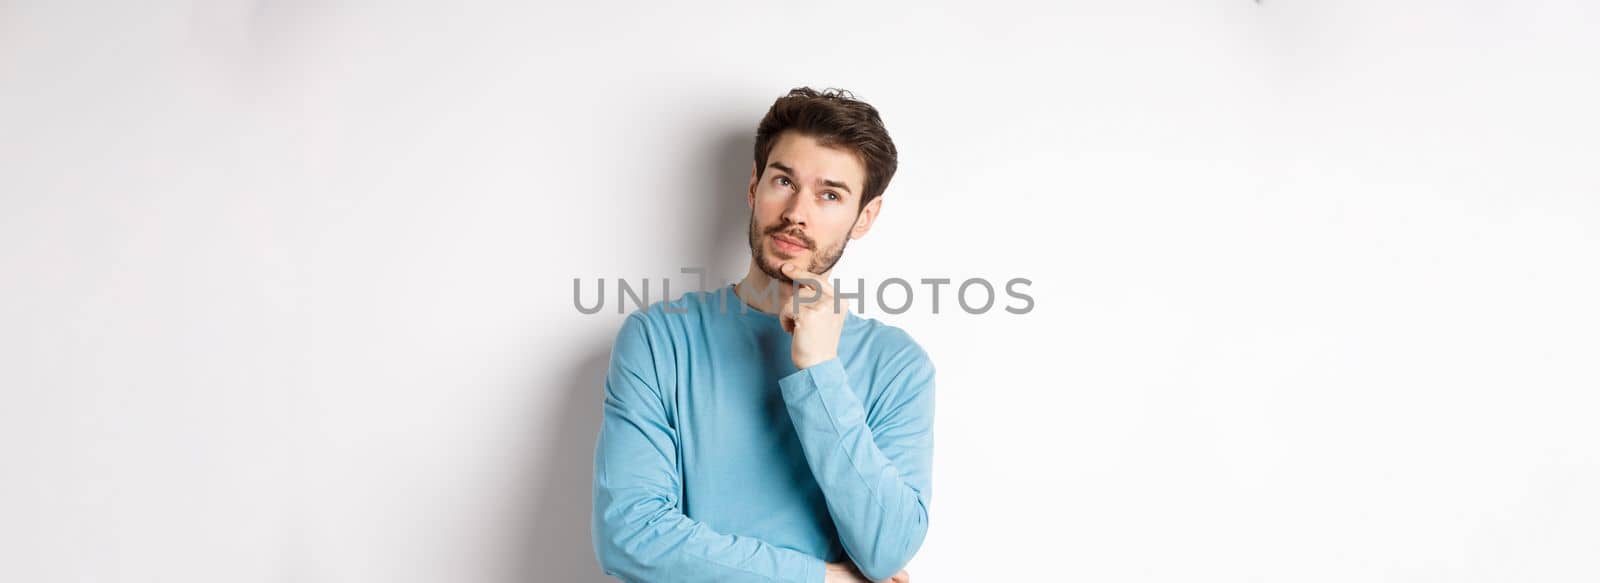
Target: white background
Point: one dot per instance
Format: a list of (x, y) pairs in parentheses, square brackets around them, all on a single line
[(287, 284)]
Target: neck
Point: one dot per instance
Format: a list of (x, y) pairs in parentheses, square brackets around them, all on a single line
[(753, 289)]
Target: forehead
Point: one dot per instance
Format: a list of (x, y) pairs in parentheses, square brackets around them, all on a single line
[(813, 161)]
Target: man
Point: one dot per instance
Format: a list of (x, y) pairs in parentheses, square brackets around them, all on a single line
[(763, 432)]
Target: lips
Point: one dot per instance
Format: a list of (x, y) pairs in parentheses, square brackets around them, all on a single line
[(789, 244)]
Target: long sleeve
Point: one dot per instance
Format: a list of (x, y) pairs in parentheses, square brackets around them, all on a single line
[(639, 530), (875, 470)]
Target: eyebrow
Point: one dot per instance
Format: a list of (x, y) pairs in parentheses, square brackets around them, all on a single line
[(825, 182)]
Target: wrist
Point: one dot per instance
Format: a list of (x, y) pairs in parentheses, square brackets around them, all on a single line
[(808, 362), (840, 572)]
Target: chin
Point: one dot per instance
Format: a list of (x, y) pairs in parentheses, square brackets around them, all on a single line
[(775, 267)]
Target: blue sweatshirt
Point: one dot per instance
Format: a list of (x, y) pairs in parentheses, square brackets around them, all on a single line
[(718, 460)]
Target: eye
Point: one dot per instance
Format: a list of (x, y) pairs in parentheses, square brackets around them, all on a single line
[(783, 180), (835, 195)]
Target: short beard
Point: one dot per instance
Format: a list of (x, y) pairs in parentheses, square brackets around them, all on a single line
[(820, 262)]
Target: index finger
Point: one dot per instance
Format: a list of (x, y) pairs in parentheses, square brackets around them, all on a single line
[(821, 283)]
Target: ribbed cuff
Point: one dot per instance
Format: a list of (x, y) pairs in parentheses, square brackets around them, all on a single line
[(815, 571), (829, 372)]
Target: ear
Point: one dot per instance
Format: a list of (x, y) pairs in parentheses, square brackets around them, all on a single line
[(864, 220), (750, 197)]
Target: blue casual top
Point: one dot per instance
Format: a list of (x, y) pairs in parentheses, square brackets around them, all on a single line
[(718, 460)]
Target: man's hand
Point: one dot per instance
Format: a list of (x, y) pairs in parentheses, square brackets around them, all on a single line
[(847, 573), (815, 324)]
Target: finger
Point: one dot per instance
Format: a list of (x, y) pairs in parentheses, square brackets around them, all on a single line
[(902, 577), (792, 306), (803, 278), (814, 281)]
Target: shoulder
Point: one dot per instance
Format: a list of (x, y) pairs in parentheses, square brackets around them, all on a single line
[(662, 318), (894, 347), (652, 338), (899, 372)]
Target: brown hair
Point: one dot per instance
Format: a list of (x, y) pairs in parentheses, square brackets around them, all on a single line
[(836, 119)]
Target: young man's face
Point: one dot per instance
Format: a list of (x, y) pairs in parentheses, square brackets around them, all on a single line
[(806, 205)]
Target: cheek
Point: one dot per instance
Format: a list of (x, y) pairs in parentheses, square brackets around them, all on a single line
[(767, 210), (841, 227)]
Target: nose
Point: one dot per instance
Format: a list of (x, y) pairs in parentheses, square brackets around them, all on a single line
[(797, 210)]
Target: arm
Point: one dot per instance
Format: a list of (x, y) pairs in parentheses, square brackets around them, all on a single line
[(639, 532), (875, 473)]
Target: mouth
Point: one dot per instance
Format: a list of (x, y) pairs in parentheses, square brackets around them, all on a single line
[(788, 245)]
